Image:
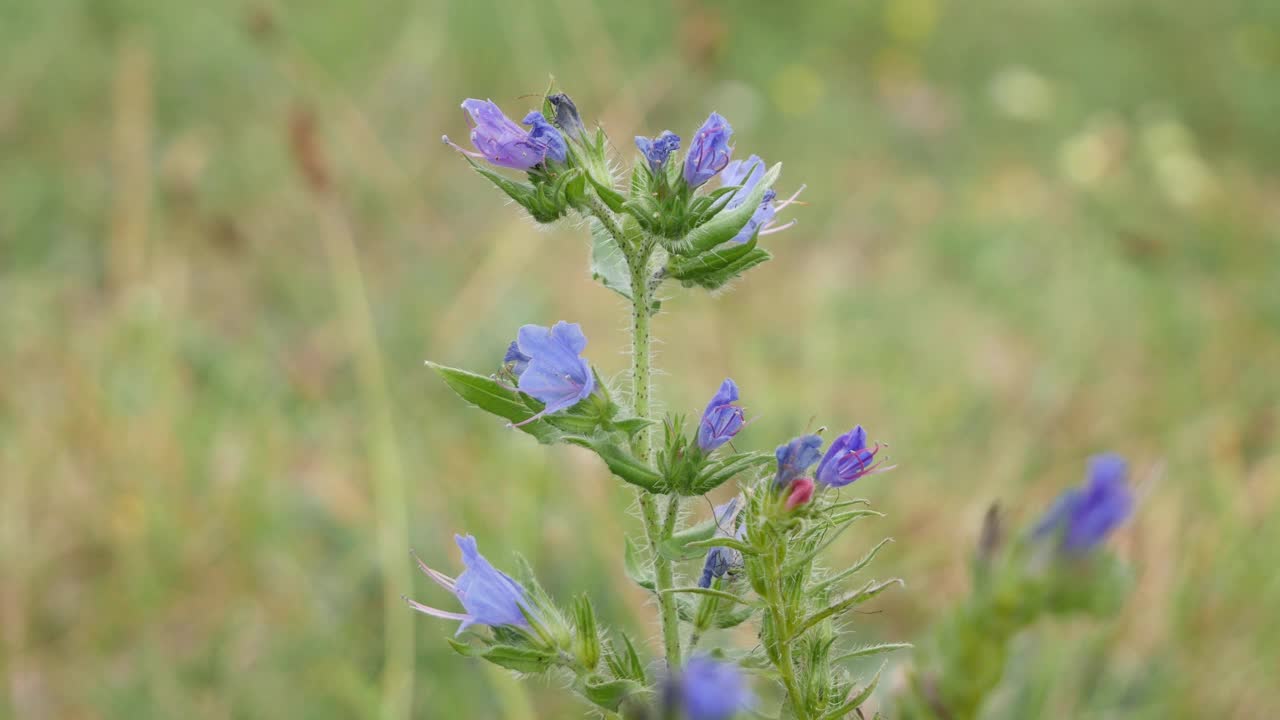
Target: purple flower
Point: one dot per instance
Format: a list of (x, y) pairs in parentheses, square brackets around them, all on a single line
[(657, 150), (795, 457), (1085, 516), (748, 173), (708, 151), (506, 144), (721, 560), (489, 596), (547, 363), (712, 690), (544, 132), (722, 419), (848, 459), (567, 117)]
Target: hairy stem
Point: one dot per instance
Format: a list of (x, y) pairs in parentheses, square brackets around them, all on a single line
[(782, 628), (656, 529)]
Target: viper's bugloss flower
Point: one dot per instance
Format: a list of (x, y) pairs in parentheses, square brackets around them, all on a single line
[(721, 560), (722, 419), (515, 360), (848, 459), (708, 151), (567, 117), (544, 132), (1085, 516), (711, 690), (489, 596), (504, 143), (747, 174), (795, 457), (657, 150), (800, 492), (549, 367)]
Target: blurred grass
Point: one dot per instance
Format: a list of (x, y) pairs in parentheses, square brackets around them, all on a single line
[(1035, 230)]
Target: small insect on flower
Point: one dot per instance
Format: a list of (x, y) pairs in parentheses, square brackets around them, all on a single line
[(489, 596), (657, 150), (567, 117), (708, 151), (722, 419), (709, 690), (546, 361), (795, 457), (1084, 517), (848, 459), (747, 174), (504, 143)]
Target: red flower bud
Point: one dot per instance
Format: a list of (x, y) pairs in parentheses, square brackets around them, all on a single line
[(800, 493)]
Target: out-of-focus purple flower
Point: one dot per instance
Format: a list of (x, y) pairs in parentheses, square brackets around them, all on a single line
[(721, 560), (549, 367), (1085, 516), (711, 690), (489, 596), (567, 117), (657, 150), (544, 132), (708, 151), (848, 459), (801, 492), (504, 143), (795, 457), (722, 419), (748, 173)]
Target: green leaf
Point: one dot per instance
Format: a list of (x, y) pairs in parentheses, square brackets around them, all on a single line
[(729, 616), (676, 547), (608, 263), (738, 545), (869, 650), (865, 561), (717, 473), (631, 426), (633, 567), (523, 660), (727, 223), (621, 463), (609, 694), (715, 260), (491, 396), (464, 649), (866, 593), (625, 662), (720, 278), (586, 637), (710, 593)]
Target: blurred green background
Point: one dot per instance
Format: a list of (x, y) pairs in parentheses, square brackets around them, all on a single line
[(1036, 229)]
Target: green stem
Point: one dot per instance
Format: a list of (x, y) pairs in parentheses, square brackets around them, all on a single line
[(655, 528), (782, 629)]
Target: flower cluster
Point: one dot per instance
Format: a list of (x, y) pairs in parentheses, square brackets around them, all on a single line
[(757, 559)]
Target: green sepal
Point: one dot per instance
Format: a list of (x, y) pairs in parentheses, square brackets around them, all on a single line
[(493, 397), (632, 566), (676, 547), (727, 223), (522, 660), (609, 694), (465, 649), (621, 463), (717, 473), (631, 426), (611, 198), (625, 662), (730, 615), (586, 636)]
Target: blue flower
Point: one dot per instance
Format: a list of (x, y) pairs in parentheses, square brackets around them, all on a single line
[(848, 459), (506, 144), (547, 362), (721, 560), (708, 151), (1085, 516), (795, 457), (657, 150), (712, 690), (489, 596), (722, 419), (545, 133), (748, 173)]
